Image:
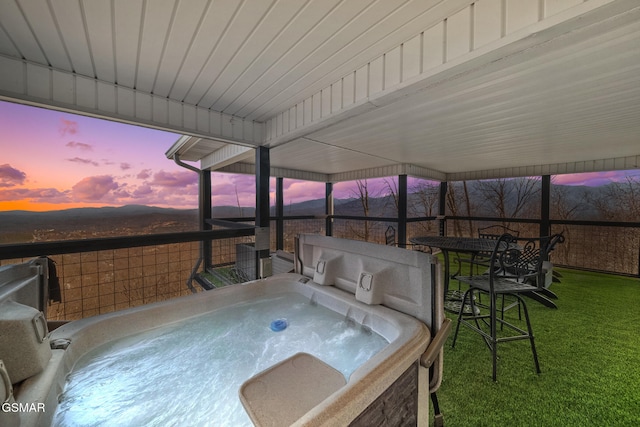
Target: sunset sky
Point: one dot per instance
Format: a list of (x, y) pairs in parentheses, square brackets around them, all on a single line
[(53, 160)]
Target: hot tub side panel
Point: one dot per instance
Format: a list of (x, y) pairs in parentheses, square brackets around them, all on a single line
[(396, 406)]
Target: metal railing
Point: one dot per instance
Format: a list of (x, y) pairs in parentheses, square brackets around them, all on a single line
[(608, 247), (108, 274), (102, 275), (604, 246)]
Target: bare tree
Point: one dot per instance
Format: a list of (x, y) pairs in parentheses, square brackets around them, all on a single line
[(424, 202), (562, 207), (619, 201), (238, 201), (392, 193), (425, 199), (455, 202), (509, 198), (362, 195), (467, 204)]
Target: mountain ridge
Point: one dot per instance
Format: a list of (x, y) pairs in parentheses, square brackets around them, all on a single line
[(25, 226)]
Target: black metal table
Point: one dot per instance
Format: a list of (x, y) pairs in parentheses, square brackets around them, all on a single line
[(466, 245)]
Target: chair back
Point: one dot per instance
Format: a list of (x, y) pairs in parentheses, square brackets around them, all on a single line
[(494, 232), (390, 236), (551, 244), (525, 258)]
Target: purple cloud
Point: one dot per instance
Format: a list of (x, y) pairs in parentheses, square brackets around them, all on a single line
[(121, 193), (179, 179), (10, 176), (298, 191), (94, 188), (593, 179), (83, 161), (144, 174), (79, 145), (125, 166), (68, 127), (143, 191)]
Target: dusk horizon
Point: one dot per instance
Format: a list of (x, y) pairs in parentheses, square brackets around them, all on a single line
[(64, 161)]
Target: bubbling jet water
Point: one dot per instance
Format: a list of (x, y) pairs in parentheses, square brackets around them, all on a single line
[(189, 373)]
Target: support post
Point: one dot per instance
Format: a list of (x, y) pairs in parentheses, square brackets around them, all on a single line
[(545, 206), (442, 209), (328, 208), (279, 213), (262, 241), (402, 211), (206, 212)]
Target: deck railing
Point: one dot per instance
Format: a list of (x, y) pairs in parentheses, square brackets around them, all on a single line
[(102, 275), (108, 274)]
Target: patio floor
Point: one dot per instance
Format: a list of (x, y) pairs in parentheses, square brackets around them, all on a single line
[(589, 350)]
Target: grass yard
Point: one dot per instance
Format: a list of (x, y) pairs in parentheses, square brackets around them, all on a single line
[(589, 352)]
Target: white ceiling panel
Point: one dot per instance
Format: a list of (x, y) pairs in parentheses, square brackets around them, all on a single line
[(266, 34), (20, 32), (254, 78), (316, 157), (214, 24), (185, 24), (127, 41), (240, 36), (43, 25), (155, 26), (70, 22), (350, 35), (98, 17), (551, 107)]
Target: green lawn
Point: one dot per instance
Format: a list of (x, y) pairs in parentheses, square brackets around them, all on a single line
[(589, 351)]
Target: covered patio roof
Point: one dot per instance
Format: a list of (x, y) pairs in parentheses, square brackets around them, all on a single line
[(346, 89)]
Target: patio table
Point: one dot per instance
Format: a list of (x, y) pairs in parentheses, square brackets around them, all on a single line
[(466, 245)]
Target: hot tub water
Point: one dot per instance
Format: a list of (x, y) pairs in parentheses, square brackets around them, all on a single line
[(189, 373)]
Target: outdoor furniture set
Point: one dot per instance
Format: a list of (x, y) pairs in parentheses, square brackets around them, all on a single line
[(501, 269)]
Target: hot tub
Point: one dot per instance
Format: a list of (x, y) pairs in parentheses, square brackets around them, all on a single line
[(393, 292)]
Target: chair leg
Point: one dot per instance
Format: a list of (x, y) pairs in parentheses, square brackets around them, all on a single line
[(493, 332), (502, 313), (510, 306), (476, 313), (467, 294), (530, 330)]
